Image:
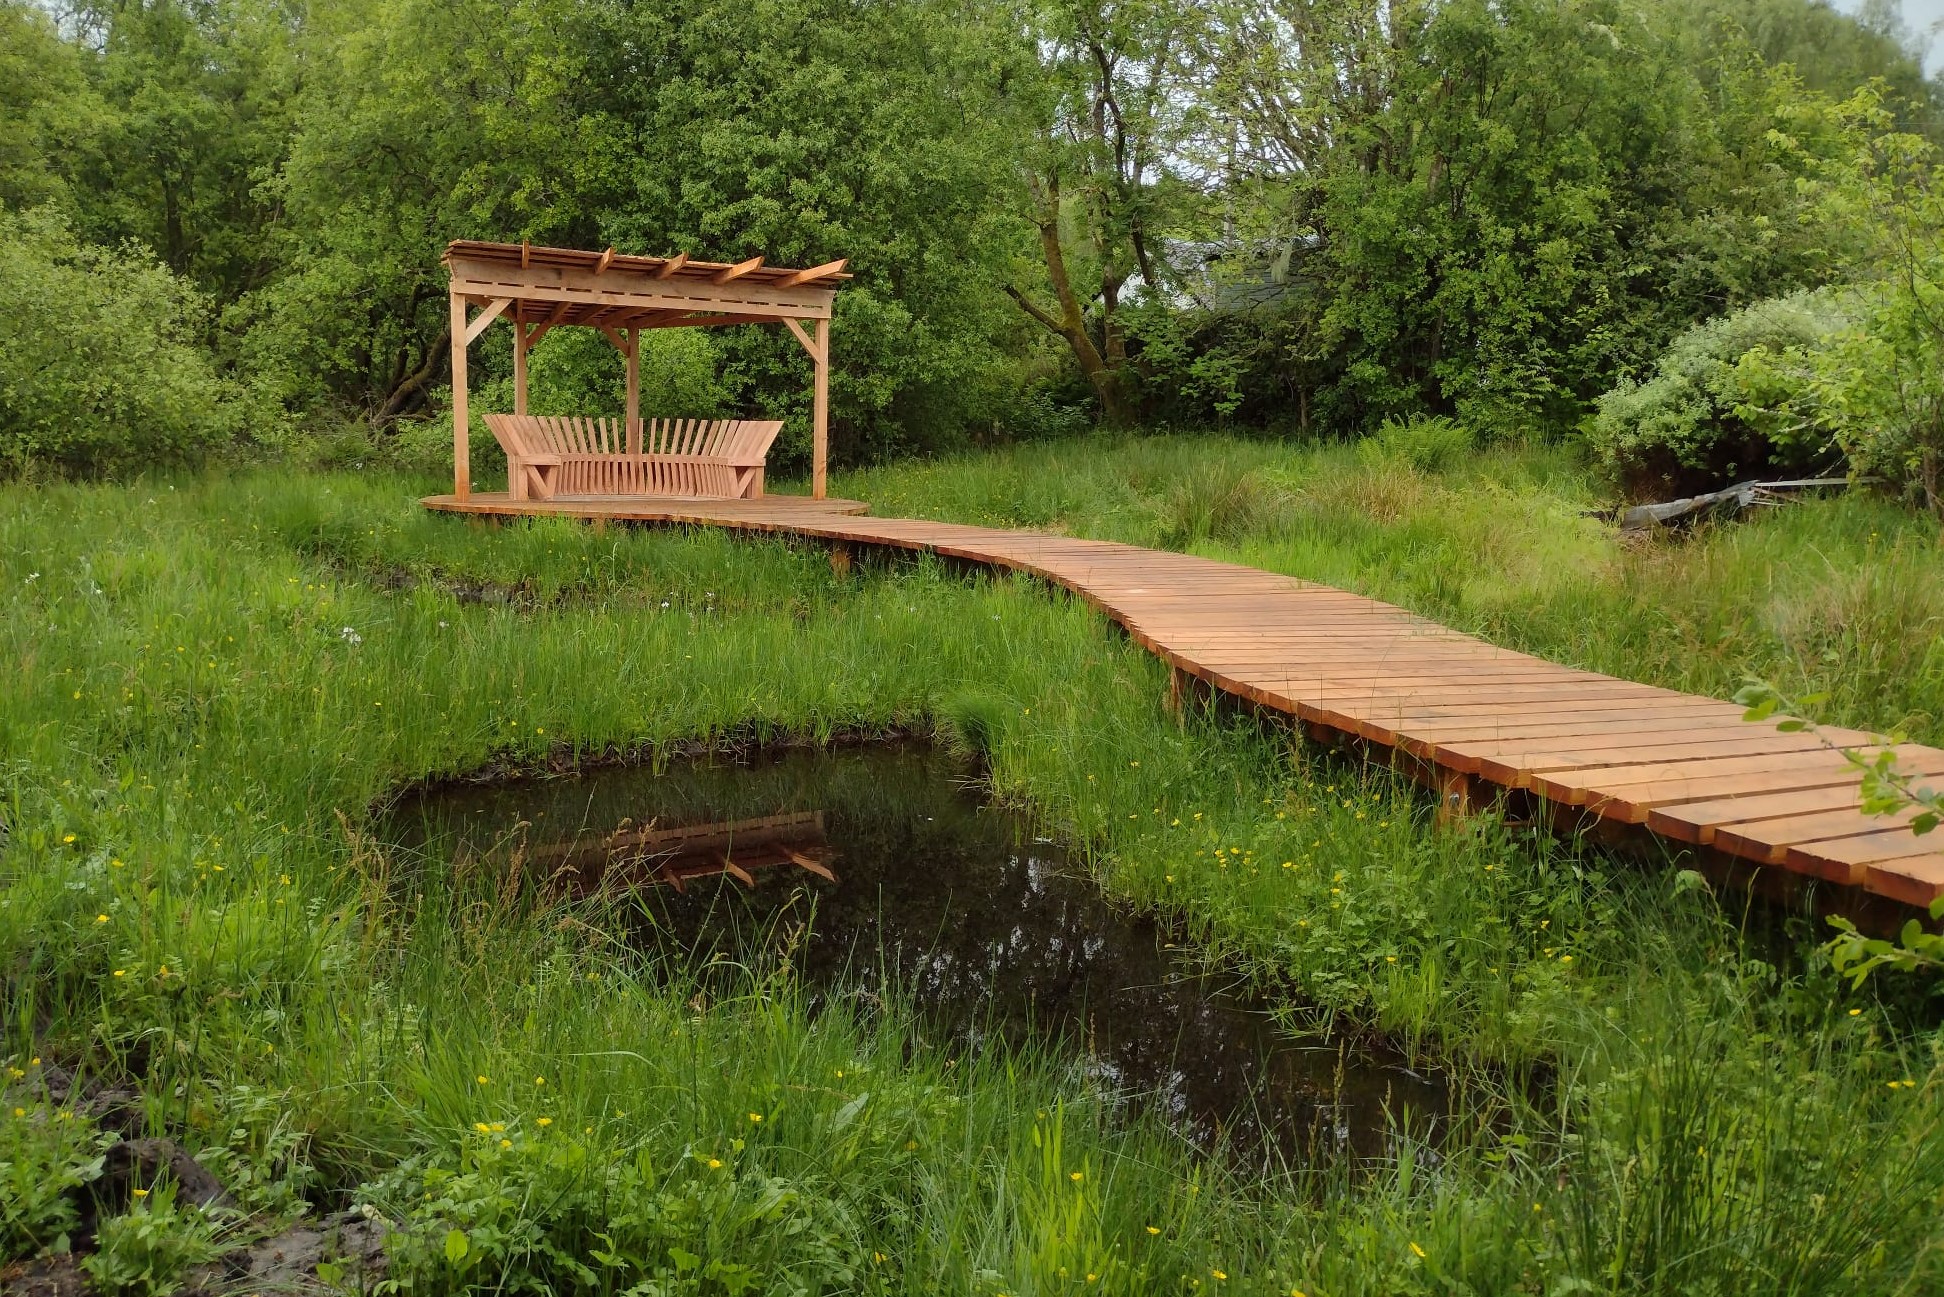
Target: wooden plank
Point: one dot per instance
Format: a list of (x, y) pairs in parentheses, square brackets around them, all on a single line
[(492, 312), (1768, 840), (802, 336), (1698, 821), (1914, 880), (738, 270), (814, 273), (746, 297), (1846, 854)]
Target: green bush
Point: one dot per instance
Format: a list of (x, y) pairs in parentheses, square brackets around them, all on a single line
[(100, 372), (145, 1252), (1429, 444), (1691, 423), (46, 1153), (1874, 391)]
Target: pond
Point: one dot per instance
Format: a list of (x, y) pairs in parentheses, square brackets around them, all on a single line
[(882, 864)]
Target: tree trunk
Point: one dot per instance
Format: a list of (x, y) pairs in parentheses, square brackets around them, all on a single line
[(412, 388), (1071, 323)]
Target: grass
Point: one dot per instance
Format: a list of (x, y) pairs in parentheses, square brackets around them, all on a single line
[(217, 681)]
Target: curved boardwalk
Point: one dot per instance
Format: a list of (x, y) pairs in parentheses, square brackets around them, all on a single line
[(1456, 710)]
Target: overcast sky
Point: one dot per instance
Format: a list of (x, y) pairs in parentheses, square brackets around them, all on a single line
[(1919, 16)]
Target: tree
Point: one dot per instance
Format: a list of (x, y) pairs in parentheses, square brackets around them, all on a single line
[(1098, 176), (49, 115)]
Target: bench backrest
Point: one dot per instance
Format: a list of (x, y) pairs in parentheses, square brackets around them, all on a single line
[(744, 442)]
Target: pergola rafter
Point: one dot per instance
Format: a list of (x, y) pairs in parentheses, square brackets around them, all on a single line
[(539, 289)]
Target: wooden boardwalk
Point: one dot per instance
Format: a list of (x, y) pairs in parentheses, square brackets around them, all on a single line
[(1456, 711)]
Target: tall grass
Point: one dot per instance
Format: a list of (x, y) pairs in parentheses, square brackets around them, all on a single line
[(214, 683)]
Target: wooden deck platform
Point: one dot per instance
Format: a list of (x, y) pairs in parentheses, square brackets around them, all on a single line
[(1457, 710)]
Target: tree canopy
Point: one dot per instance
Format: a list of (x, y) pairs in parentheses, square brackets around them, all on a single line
[(1310, 214)]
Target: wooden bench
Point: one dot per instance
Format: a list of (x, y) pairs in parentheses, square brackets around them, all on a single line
[(550, 456)]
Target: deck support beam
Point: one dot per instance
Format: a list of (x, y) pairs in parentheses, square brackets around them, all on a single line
[(1456, 798)]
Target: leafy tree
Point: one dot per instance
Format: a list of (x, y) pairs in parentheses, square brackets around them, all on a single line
[(1114, 82), (48, 112), (100, 367), (199, 94)]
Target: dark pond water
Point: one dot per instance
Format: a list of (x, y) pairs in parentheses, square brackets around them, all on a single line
[(883, 863)]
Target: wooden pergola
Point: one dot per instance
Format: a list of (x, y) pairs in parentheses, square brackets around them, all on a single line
[(538, 289)]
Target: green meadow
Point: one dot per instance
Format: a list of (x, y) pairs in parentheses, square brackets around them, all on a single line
[(217, 684)]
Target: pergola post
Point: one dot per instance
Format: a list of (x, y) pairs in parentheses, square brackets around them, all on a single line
[(633, 425), (520, 345), (820, 411), (461, 452)]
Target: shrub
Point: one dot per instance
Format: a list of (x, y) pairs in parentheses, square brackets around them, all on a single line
[(1428, 443), (1875, 390), (45, 1155), (145, 1252), (1691, 424), (99, 369)]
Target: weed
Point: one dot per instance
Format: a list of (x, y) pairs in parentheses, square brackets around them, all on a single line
[(145, 1251)]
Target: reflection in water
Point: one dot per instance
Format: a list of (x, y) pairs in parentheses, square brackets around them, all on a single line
[(886, 867)]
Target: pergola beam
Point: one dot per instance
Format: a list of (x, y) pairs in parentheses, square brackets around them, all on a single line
[(709, 321), (743, 297)]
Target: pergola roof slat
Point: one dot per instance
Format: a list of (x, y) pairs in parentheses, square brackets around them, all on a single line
[(521, 260)]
